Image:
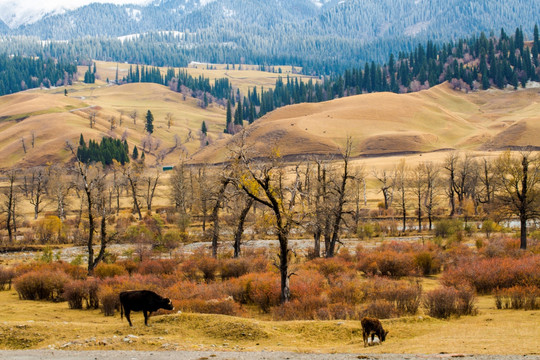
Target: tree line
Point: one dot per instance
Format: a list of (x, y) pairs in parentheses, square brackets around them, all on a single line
[(325, 199), (18, 73)]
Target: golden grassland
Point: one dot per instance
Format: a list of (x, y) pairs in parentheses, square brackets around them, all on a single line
[(384, 124), (39, 324), (245, 78)]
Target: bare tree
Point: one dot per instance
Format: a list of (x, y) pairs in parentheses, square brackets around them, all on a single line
[(112, 122), (386, 185), (133, 115), (150, 179), (35, 187), (23, 144), (181, 187), (401, 177), (33, 139), (10, 200), (59, 187), (121, 117), (92, 118), (432, 178), (217, 199), (90, 182), (450, 164), (169, 119), (339, 196), (264, 182), (418, 188), (133, 172), (245, 204), (519, 178)]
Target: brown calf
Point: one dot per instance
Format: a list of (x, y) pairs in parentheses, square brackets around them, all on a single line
[(372, 326)]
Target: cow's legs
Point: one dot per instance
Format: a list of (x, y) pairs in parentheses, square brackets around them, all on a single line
[(145, 317), (365, 336), (127, 311)]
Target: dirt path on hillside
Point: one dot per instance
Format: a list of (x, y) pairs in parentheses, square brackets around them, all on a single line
[(209, 355)]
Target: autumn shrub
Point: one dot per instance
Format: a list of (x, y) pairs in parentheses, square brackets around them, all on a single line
[(129, 265), (233, 268), (340, 311), (445, 301), (330, 268), (213, 306), (306, 308), (486, 275), (388, 263), (378, 308), (427, 263), (501, 246), (307, 283), (41, 285), (103, 270), (157, 267), (346, 290), (109, 298), (6, 277), (405, 296), (261, 289), (518, 297), (447, 227), (78, 291)]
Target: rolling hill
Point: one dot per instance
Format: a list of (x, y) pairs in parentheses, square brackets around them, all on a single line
[(383, 124)]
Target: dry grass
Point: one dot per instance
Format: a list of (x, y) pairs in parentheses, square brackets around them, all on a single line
[(37, 324), (385, 124)]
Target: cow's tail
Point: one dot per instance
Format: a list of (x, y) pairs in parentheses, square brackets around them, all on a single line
[(121, 310)]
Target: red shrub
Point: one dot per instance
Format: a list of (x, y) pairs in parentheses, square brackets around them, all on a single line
[(388, 263), (346, 290), (380, 308), (486, 275), (109, 299), (330, 268), (214, 306), (42, 285), (157, 267), (261, 289), (306, 308), (307, 283), (103, 270), (518, 297), (6, 277), (77, 291), (404, 296), (444, 302), (233, 268)]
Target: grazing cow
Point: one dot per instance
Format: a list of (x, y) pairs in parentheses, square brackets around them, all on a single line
[(142, 300), (372, 326)]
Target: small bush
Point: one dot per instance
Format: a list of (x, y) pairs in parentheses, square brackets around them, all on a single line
[(306, 308), (109, 299), (6, 277), (233, 268), (46, 285), (427, 263), (212, 306), (380, 308), (157, 267), (79, 291), (447, 227), (441, 302), (518, 297), (444, 302), (103, 270)]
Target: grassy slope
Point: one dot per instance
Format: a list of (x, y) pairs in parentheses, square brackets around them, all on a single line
[(38, 324), (386, 123)]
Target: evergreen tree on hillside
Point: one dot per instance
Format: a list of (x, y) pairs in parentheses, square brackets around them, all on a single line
[(135, 154), (229, 118), (204, 130), (149, 127)]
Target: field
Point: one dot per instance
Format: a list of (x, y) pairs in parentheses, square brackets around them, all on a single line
[(33, 325)]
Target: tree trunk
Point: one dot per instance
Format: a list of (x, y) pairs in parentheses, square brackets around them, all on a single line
[(284, 267), (240, 227), (523, 233), (317, 243)]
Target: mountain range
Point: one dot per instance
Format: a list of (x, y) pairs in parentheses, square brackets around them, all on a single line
[(365, 20)]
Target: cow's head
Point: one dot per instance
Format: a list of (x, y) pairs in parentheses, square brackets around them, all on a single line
[(383, 335), (167, 304)]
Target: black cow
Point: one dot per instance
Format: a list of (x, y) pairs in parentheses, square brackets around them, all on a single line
[(372, 327), (142, 300)]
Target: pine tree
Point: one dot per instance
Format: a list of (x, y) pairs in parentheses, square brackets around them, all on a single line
[(135, 154), (238, 117), (149, 122), (229, 117), (204, 130), (81, 141)]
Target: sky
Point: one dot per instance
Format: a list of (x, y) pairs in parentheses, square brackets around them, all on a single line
[(17, 12)]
